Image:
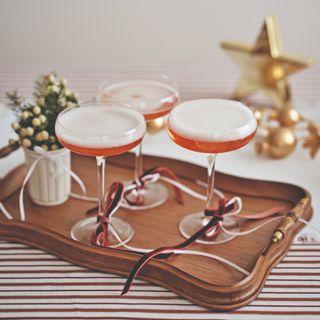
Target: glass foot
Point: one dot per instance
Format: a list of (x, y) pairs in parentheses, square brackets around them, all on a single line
[(154, 194), (194, 222), (83, 229)]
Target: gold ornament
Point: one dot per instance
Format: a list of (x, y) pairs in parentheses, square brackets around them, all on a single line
[(312, 142), (278, 143), (156, 125), (287, 116), (264, 66)]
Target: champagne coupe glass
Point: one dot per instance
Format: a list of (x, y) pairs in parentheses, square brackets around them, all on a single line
[(153, 96), (210, 126), (100, 130)]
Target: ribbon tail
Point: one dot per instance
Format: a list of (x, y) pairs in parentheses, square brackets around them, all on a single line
[(5, 211), (27, 177), (261, 215), (139, 265), (164, 252), (76, 178)]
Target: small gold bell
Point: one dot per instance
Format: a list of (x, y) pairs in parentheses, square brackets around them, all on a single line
[(278, 143)]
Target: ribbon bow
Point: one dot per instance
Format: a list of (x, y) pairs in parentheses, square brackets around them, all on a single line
[(112, 202), (225, 206), (152, 175)]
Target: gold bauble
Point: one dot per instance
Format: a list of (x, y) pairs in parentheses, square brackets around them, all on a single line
[(279, 143), (156, 125), (273, 73), (288, 117)]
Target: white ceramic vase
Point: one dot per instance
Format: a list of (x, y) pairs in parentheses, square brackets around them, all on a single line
[(50, 183)]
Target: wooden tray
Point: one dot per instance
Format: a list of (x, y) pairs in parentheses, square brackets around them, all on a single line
[(201, 280)]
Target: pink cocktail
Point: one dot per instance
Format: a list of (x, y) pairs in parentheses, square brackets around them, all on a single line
[(100, 130), (153, 96), (210, 126)]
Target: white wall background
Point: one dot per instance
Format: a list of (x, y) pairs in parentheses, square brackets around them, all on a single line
[(147, 31)]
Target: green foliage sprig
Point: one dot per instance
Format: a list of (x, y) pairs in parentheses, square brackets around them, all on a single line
[(35, 122)]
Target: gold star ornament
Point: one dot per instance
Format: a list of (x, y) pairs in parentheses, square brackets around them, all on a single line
[(264, 67)]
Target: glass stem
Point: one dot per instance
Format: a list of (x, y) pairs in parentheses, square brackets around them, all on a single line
[(101, 164), (138, 168), (210, 189)]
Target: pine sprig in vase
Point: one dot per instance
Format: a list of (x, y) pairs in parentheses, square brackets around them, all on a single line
[(35, 122)]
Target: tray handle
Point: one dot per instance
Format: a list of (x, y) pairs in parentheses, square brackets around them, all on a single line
[(288, 222)]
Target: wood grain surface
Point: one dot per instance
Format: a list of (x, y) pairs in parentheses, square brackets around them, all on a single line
[(201, 280)]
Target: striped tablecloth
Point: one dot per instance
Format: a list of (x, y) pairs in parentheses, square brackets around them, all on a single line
[(37, 285)]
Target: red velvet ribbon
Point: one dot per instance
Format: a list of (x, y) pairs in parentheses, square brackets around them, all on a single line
[(148, 176), (165, 252), (99, 237)]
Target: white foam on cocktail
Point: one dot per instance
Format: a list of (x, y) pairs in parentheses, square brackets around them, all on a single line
[(212, 120), (145, 95), (100, 127)]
